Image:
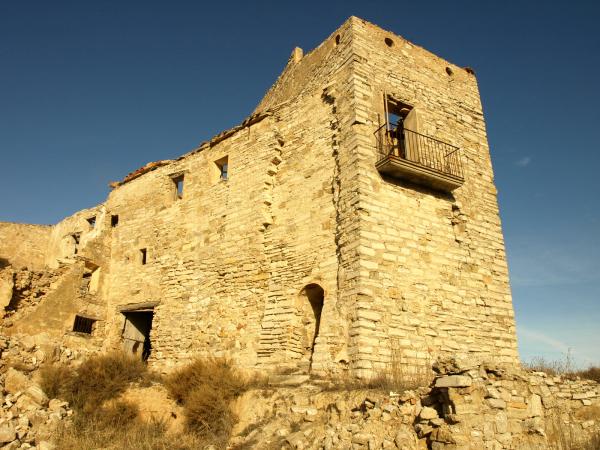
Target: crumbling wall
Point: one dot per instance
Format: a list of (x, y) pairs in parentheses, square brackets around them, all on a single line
[(468, 406), (23, 245)]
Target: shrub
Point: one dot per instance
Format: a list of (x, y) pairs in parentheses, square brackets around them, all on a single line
[(591, 373), (54, 378), (206, 388), (215, 372)]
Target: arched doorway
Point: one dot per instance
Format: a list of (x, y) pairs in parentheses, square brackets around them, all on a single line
[(311, 305)]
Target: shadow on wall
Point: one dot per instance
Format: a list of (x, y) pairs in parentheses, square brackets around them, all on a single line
[(4, 263)]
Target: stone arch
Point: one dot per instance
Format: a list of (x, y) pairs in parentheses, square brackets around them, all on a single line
[(310, 307)]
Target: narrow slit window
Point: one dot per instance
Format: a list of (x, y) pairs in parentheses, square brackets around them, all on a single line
[(178, 181), (83, 325), (76, 237), (114, 220), (92, 221), (143, 256), (223, 166)]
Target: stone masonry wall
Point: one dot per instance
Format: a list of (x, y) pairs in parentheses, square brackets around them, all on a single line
[(434, 278), (23, 245)]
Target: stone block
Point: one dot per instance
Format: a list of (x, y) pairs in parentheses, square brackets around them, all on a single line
[(453, 381)]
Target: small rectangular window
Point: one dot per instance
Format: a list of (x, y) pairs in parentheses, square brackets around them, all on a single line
[(83, 325), (92, 221), (223, 166), (114, 220), (143, 256), (178, 186)]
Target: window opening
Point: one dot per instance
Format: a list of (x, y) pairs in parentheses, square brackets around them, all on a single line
[(90, 278), (143, 255), (83, 325), (92, 221), (223, 166), (178, 186), (114, 220), (76, 237)]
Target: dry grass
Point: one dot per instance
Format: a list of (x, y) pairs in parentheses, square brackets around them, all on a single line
[(96, 380), (398, 376), (564, 367), (100, 420), (561, 437), (117, 426), (206, 388)]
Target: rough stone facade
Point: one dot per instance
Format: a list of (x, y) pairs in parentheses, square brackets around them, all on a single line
[(279, 243)]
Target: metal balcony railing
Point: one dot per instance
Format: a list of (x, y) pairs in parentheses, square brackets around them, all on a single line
[(423, 150)]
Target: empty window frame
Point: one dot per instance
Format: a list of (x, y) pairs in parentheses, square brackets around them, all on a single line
[(92, 221), (143, 256), (223, 166), (178, 182), (83, 325), (76, 237), (114, 220)]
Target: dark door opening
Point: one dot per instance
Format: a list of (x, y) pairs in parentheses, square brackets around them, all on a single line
[(136, 332), (312, 318)]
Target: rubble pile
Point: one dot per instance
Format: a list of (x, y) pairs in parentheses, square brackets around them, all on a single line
[(469, 406), (28, 418)]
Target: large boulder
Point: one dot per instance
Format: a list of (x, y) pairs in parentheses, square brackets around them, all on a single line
[(7, 433), (16, 381)]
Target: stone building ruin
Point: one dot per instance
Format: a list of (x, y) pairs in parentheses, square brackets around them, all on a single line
[(351, 219)]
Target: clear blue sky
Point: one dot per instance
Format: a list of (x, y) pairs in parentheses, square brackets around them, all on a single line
[(90, 91)]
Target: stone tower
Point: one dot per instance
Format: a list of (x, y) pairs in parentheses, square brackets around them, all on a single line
[(350, 221)]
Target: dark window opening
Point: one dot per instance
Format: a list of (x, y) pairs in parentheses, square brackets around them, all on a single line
[(136, 332), (114, 220), (76, 237), (312, 306), (388, 42), (223, 166), (178, 186), (92, 221), (83, 325), (143, 255)]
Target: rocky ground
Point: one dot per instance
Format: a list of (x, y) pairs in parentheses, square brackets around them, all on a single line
[(28, 418), (468, 406)]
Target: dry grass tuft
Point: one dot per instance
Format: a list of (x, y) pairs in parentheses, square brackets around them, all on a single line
[(591, 373), (96, 380), (117, 426), (206, 388), (398, 376), (100, 419), (564, 367)]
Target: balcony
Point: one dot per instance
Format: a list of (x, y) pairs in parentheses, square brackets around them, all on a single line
[(412, 156)]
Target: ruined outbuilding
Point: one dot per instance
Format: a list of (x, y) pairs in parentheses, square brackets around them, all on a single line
[(350, 220)]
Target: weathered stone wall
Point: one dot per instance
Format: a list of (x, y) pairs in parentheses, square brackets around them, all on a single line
[(467, 407), (433, 273), (23, 245)]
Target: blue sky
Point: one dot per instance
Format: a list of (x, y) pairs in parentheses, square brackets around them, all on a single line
[(90, 91)]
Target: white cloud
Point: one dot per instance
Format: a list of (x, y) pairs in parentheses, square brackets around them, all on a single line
[(523, 162)]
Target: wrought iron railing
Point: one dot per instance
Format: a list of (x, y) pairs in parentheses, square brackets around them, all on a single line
[(418, 148)]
